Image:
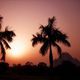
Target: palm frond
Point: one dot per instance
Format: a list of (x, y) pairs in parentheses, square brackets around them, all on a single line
[(1, 22), (2, 51), (6, 44), (37, 39), (34, 40), (44, 48), (2, 48), (61, 37), (66, 42), (58, 48), (42, 27), (1, 35), (44, 30), (8, 35), (6, 28), (51, 21)]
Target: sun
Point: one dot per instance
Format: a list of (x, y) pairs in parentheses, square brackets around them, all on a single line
[(17, 49)]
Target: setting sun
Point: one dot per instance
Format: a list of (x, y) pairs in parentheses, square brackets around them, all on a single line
[(17, 49)]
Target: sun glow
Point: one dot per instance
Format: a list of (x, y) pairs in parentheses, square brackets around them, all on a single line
[(17, 49)]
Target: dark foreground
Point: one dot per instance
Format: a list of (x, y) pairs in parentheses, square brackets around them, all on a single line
[(28, 77), (64, 71), (39, 77)]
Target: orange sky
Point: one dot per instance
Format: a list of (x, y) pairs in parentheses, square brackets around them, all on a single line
[(25, 17)]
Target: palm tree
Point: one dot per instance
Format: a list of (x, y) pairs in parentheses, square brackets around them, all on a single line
[(49, 36), (5, 37)]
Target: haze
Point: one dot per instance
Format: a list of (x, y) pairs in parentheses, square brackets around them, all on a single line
[(25, 17)]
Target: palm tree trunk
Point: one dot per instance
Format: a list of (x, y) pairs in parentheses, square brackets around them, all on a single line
[(3, 57), (51, 57)]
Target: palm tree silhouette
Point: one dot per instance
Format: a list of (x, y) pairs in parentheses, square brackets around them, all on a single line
[(5, 37), (49, 36)]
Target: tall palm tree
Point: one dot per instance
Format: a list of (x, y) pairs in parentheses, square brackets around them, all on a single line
[(49, 36), (5, 37)]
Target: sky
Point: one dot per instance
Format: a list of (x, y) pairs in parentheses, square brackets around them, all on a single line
[(25, 17)]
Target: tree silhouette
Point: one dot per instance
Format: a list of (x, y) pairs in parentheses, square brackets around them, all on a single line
[(5, 37), (49, 36), (42, 64)]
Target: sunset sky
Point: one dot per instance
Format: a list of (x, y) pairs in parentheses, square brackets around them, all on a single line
[(25, 17)]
